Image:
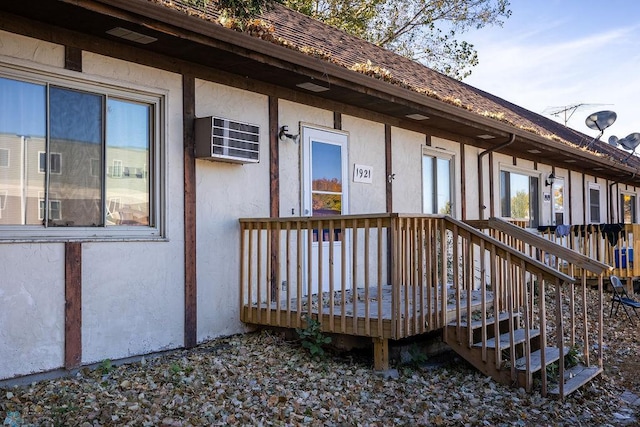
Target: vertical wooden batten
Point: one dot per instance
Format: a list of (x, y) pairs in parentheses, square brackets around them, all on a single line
[(73, 58), (337, 120), (388, 167), (190, 284), (584, 199), (73, 304), (463, 184), (492, 209), (274, 190), (274, 159)]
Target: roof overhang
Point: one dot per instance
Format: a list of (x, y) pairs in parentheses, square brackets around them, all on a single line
[(195, 40)]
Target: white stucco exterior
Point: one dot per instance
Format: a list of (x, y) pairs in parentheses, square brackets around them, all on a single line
[(225, 193), (32, 314)]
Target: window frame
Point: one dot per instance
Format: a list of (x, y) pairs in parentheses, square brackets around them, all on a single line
[(538, 202), (634, 206), (157, 99), (440, 154)]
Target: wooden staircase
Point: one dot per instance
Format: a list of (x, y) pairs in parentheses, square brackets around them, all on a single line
[(492, 347)]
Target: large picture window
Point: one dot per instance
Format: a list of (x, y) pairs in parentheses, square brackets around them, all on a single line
[(437, 184), (519, 197), (74, 141)]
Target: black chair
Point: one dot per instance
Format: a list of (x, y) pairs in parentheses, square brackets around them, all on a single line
[(619, 297)]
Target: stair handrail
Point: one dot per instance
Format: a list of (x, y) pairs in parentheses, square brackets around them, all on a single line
[(508, 249), (550, 247)]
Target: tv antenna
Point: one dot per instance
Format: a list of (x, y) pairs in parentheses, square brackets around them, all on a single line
[(567, 110)]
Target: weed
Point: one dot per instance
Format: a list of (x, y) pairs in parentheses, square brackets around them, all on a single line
[(312, 337), (417, 355), (106, 366)]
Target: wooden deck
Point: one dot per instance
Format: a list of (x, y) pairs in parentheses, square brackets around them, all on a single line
[(424, 273), (366, 314)]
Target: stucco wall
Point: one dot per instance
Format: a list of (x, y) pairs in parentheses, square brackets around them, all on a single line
[(366, 147), (31, 275), (133, 292), (291, 114), (226, 192), (31, 308), (406, 157)]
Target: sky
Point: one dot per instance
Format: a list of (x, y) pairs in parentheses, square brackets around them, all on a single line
[(552, 54)]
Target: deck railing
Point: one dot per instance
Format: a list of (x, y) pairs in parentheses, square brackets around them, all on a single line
[(390, 276), (585, 319), (610, 244)]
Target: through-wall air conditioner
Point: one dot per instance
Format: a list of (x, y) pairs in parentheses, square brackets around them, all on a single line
[(227, 141)]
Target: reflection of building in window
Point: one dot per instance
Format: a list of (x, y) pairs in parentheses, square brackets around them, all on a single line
[(4, 157), (96, 134), (55, 162), (116, 171), (95, 167), (55, 210), (3, 201), (519, 197)]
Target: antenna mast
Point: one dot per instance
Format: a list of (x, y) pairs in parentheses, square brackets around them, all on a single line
[(567, 110)]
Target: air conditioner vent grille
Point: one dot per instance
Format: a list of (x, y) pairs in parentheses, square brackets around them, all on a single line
[(227, 140)]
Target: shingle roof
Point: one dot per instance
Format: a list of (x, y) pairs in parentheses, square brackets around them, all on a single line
[(302, 32)]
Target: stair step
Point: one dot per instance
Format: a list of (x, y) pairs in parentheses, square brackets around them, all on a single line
[(576, 377), (505, 341), (551, 355), (475, 324)]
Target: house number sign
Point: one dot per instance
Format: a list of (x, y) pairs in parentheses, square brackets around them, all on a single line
[(362, 173)]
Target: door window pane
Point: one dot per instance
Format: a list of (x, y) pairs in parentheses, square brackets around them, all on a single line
[(436, 185), (558, 201), (22, 135), (326, 176)]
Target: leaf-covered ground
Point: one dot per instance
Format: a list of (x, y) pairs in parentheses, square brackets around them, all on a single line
[(261, 379)]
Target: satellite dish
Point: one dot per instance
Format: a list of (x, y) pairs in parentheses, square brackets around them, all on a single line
[(601, 120), (630, 142), (613, 140)]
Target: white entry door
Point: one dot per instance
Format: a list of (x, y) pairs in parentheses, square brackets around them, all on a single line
[(325, 192)]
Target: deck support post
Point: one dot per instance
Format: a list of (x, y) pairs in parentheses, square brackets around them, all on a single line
[(380, 354)]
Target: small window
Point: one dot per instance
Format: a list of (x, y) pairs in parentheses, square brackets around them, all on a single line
[(594, 205), (95, 167), (3, 199), (55, 163), (55, 213), (116, 170), (4, 157)]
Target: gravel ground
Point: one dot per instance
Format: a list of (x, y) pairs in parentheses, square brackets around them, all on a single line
[(262, 379)]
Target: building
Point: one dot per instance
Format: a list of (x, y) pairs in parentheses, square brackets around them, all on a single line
[(119, 232)]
